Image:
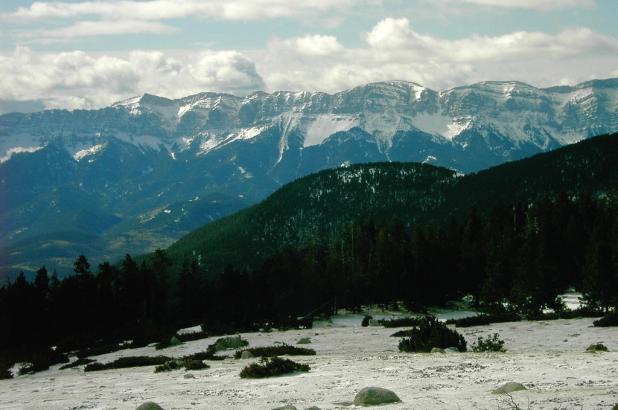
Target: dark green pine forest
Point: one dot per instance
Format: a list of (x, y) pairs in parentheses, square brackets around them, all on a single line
[(520, 233)]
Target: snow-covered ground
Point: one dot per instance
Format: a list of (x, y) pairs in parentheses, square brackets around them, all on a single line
[(546, 356)]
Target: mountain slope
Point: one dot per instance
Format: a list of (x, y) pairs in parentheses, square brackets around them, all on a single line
[(152, 169), (317, 207)]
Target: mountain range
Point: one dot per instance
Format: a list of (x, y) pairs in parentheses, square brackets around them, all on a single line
[(143, 172)]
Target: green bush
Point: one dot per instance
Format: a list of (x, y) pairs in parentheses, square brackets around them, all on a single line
[(207, 355), (184, 362), (99, 350), (188, 337), (485, 319), (280, 350), (168, 342), (607, 321), (270, 367), (169, 366), (192, 364), (489, 344), (431, 333), (124, 362), (567, 314), (597, 347), (230, 342), (76, 363), (42, 360), (5, 373), (403, 333), (401, 322)]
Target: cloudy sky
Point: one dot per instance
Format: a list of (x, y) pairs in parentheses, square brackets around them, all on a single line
[(86, 54)]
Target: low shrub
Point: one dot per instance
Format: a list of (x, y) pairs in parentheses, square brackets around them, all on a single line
[(567, 314), (270, 367), (188, 337), (597, 347), (169, 366), (366, 320), (192, 364), (431, 333), (5, 372), (607, 321), (279, 350), (77, 363), (489, 344), (403, 333), (400, 322), (168, 342), (186, 362), (42, 360), (485, 319), (124, 362), (230, 342), (207, 355), (99, 350)]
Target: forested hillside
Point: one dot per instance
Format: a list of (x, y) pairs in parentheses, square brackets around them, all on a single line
[(520, 233), (317, 207)]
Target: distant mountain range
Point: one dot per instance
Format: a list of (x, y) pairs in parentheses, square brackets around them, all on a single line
[(143, 172)]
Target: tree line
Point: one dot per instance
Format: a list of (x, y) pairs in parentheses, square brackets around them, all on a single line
[(516, 256)]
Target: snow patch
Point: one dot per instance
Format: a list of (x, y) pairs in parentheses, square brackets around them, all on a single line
[(18, 150), (326, 125), (79, 155)]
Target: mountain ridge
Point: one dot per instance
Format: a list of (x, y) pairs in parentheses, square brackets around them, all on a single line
[(162, 167)]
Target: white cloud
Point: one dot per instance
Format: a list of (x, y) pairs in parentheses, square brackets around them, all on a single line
[(392, 50), (81, 80), (171, 9), (104, 27), (313, 45), (540, 5), (396, 35)]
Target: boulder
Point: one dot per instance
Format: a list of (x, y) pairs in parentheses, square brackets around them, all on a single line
[(189, 376), (451, 350), (174, 341), (509, 387), (246, 354), (437, 350), (373, 396), (288, 407), (304, 341), (149, 405), (313, 408)]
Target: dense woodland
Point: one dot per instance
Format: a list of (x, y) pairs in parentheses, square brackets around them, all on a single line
[(523, 255), (514, 237)]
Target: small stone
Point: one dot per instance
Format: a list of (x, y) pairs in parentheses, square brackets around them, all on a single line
[(288, 407), (373, 396), (451, 350), (437, 350), (189, 376), (304, 341), (509, 387)]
